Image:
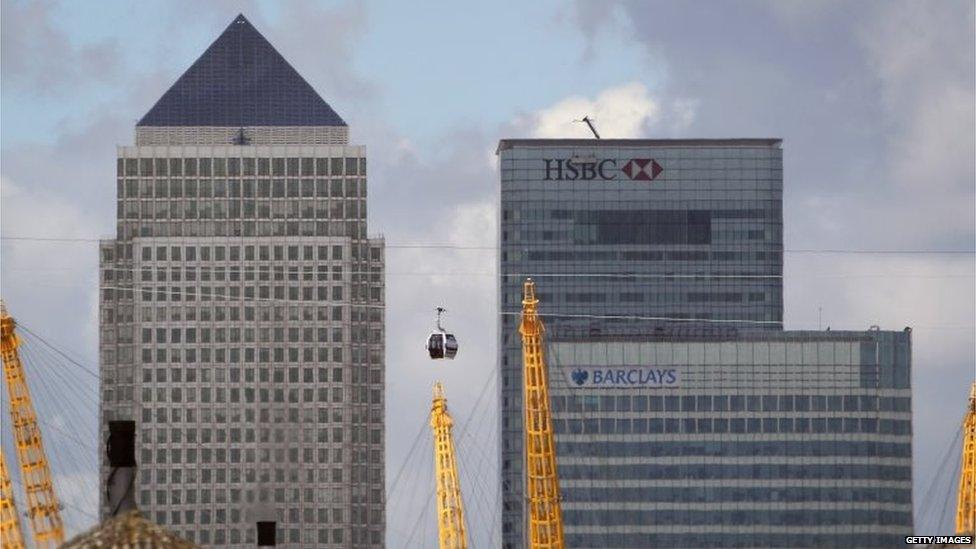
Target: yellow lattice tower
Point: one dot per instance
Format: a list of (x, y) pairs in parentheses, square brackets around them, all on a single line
[(43, 509), (542, 479), (450, 508), (11, 535), (966, 509)]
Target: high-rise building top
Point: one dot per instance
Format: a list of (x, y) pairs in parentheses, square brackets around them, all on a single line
[(684, 415), (242, 310), (683, 235), (773, 142), (239, 89)]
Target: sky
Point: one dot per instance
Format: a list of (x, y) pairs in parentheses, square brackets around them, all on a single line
[(874, 101)]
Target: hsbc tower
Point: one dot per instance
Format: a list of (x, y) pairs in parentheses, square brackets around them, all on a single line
[(685, 234)]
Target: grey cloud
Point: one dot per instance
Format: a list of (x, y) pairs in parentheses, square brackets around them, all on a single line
[(874, 101), (848, 89), (38, 56)]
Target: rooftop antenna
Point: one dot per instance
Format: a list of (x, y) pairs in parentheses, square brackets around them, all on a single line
[(589, 122)]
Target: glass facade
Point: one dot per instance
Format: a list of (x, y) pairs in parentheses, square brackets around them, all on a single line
[(684, 415), (671, 231), (788, 439)]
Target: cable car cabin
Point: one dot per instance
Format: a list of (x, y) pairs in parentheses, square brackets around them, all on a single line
[(442, 345)]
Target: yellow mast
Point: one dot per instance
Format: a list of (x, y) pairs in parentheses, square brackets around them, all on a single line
[(966, 509), (10, 534), (542, 479), (450, 508), (42, 504)]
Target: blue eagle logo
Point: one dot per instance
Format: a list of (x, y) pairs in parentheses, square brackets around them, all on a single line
[(580, 376)]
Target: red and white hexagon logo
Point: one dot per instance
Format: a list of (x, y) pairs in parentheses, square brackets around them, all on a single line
[(642, 169)]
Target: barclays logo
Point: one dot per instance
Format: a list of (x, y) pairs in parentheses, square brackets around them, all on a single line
[(580, 376), (623, 376)]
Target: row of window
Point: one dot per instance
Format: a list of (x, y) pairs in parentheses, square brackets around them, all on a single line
[(744, 517), (177, 294), (263, 273), (326, 515), (261, 312), (751, 471), (278, 228), (250, 375), (732, 448), (266, 415), (262, 334), (737, 494), (611, 426), (658, 297), (249, 395), (615, 256), (235, 188), (222, 167), (248, 536), (248, 209), (264, 474), (313, 459), (736, 539), (263, 355), (285, 437), (248, 253), (234, 356), (274, 253), (202, 454), (774, 213), (223, 293), (360, 250), (586, 234), (732, 403), (217, 456)]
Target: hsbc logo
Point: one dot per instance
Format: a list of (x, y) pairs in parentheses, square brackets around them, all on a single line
[(635, 169)]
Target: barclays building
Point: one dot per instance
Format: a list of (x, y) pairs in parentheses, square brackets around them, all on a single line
[(786, 439), (684, 414)]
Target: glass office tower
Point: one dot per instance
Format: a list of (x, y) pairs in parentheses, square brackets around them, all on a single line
[(671, 231), (775, 439)]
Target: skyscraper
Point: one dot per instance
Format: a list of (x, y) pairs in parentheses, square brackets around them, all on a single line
[(242, 309), (659, 270), (670, 229)]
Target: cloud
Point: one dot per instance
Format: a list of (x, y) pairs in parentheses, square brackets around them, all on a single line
[(52, 286), (874, 101), (327, 65), (622, 111), (39, 56)]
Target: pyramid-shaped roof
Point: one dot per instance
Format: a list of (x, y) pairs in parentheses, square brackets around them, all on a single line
[(241, 80)]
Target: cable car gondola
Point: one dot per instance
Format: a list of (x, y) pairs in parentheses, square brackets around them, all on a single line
[(441, 344)]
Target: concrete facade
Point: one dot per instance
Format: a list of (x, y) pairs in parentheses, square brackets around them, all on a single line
[(242, 319)]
